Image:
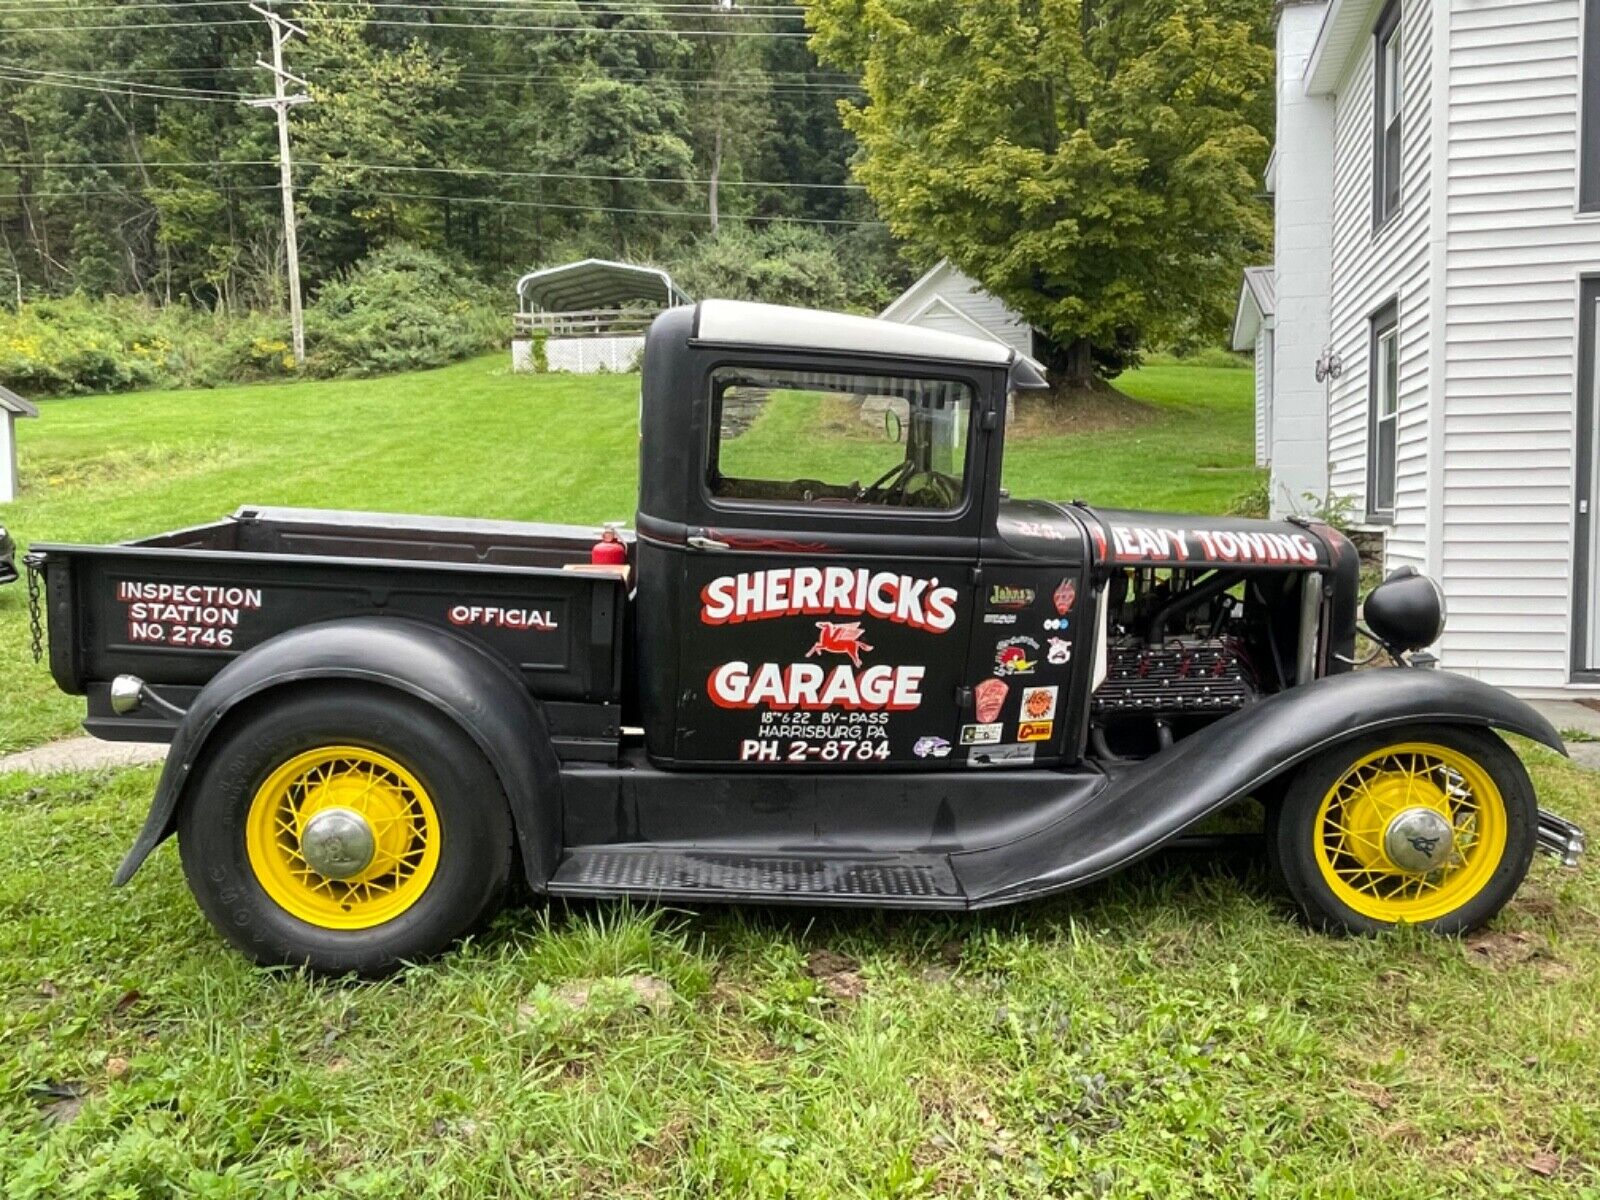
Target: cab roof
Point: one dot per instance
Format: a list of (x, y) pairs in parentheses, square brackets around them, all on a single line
[(774, 326)]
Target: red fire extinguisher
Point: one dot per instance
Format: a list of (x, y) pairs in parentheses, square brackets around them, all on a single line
[(609, 551)]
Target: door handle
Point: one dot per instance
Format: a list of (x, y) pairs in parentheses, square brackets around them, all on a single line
[(697, 542)]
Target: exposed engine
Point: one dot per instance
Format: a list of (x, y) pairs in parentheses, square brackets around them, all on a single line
[(1184, 648)]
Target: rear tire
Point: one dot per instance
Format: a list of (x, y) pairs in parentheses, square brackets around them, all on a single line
[(1431, 825), (437, 836)]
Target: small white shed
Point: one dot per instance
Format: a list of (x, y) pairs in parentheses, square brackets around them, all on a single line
[(948, 300), (12, 406)]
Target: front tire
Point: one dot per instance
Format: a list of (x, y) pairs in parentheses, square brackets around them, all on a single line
[(1430, 825), (346, 830)]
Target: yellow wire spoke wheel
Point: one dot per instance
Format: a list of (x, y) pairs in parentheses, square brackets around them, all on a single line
[(1410, 833), (343, 837)]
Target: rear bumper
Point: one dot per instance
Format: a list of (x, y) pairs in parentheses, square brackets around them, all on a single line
[(1560, 838)]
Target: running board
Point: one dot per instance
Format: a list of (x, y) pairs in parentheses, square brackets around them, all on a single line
[(691, 874)]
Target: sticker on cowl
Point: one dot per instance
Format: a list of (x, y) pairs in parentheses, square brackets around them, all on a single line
[(931, 747), (1066, 595), (990, 696), (1058, 652), (980, 735), (1000, 756), (1002, 618), (1057, 623), (1016, 656), (1002, 596), (1035, 731), (1039, 704)]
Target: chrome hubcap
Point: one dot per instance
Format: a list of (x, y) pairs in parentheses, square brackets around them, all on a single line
[(1419, 840), (337, 843)]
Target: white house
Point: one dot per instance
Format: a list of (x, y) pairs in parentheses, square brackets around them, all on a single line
[(1430, 329), (948, 300)]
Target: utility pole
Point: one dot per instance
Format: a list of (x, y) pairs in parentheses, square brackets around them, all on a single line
[(281, 101)]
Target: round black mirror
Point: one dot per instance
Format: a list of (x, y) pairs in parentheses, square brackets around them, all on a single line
[(1406, 611)]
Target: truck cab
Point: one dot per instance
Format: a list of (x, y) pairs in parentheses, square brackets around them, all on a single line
[(834, 663), (825, 573)]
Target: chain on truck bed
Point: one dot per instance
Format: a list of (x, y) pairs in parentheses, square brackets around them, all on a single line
[(32, 563)]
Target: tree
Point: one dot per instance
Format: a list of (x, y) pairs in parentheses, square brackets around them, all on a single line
[(1096, 163)]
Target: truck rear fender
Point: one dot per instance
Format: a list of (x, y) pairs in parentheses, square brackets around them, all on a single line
[(462, 679), (1147, 804)]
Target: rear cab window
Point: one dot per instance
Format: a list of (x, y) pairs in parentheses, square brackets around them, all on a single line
[(852, 440)]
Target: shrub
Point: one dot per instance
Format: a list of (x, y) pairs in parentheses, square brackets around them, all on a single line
[(398, 309), (76, 345), (780, 263)]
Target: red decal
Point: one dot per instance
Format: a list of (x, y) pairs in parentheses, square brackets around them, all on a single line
[(1066, 596), (840, 639), (991, 697)]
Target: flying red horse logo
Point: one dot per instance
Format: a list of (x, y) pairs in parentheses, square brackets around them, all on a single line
[(840, 638)]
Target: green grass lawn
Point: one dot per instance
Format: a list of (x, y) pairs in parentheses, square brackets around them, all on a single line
[(1170, 1033)]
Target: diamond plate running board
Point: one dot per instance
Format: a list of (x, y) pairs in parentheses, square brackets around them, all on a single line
[(876, 880)]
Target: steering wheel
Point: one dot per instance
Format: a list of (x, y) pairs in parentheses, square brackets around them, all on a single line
[(892, 481), (944, 491)]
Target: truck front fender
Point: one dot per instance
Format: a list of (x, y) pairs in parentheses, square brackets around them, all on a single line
[(466, 682), (1146, 805)]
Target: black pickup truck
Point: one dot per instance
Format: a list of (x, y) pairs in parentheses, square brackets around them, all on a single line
[(833, 663)]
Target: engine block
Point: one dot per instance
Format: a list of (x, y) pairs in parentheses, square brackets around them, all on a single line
[(1177, 678)]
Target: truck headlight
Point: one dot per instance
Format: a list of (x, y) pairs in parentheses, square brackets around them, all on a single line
[(1406, 611)]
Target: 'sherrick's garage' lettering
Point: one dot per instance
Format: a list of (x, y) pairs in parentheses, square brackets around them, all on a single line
[(786, 591), (810, 686)]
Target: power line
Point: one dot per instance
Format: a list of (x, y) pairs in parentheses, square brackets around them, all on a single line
[(649, 212), (617, 31), (126, 192), (689, 73), (110, 91), (179, 92), (471, 172), (759, 12), (125, 28)]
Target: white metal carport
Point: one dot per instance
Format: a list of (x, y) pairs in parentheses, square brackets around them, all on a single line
[(592, 314)]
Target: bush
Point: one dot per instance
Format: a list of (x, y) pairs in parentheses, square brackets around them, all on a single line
[(399, 309), (76, 345), (780, 263), (73, 345)]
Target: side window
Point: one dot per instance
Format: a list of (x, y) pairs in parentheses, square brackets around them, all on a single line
[(1383, 392), (828, 438), (1589, 119), (1388, 102)]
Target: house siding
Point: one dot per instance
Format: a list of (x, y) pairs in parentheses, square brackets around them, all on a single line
[(1263, 364), (1374, 268), (1515, 250)]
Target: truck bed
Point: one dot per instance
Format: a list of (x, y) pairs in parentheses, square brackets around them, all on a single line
[(176, 607)]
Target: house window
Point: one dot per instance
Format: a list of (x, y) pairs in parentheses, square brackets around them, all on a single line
[(1589, 160), (1387, 101), (1383, 394)]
